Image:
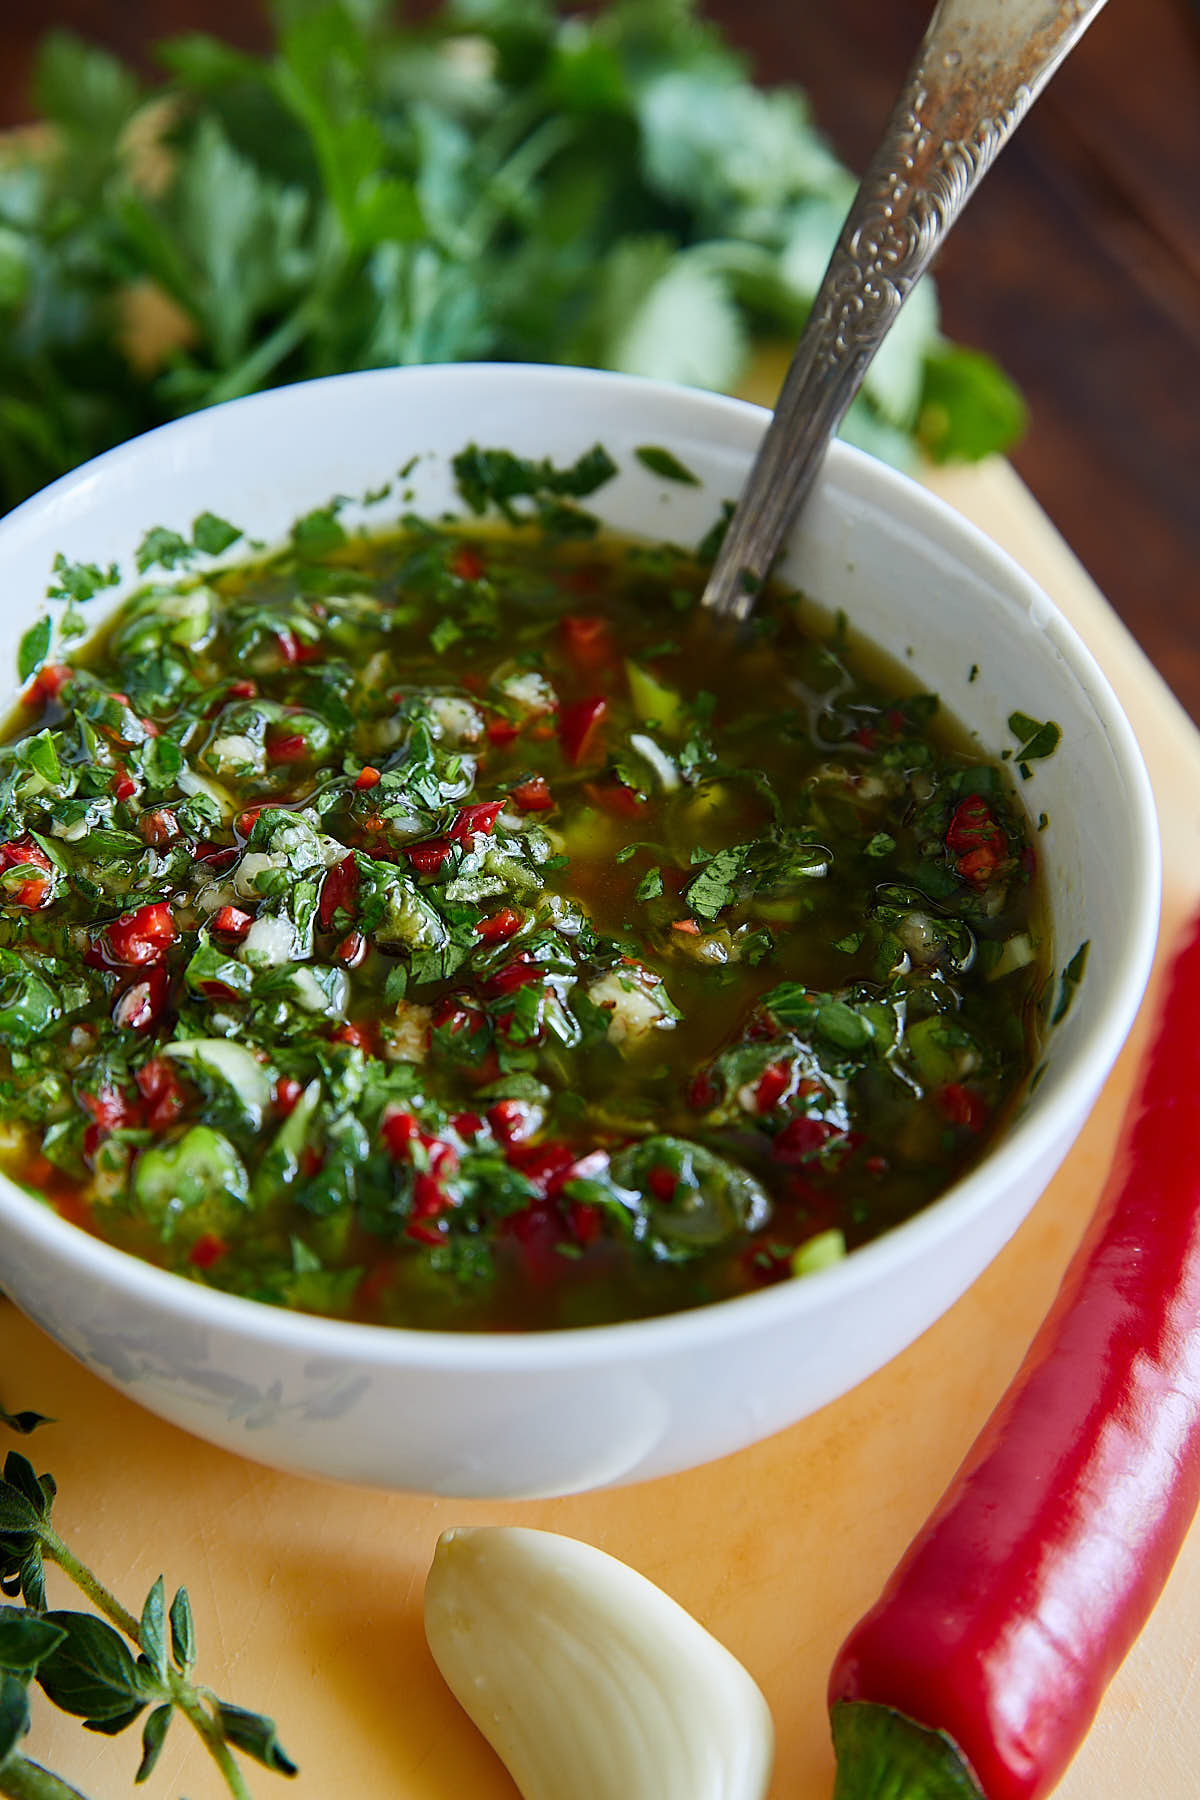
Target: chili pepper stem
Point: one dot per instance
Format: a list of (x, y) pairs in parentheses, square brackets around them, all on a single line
[(882, 1755), (21, 1779)]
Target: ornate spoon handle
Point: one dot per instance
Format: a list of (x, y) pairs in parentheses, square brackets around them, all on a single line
[(981, 65)]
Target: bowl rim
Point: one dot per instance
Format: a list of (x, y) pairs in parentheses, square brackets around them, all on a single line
[(852, 475)]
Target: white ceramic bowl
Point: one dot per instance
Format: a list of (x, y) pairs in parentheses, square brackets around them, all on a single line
[(506, 1416)]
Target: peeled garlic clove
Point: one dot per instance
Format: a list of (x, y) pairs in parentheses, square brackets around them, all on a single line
[(587, 1681)]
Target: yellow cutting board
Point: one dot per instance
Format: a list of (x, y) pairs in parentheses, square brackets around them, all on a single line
[(308, 1597)]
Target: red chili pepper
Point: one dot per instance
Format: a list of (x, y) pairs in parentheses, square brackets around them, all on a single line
[(358, 1037), (232, 921), (367, 777), (140, 937), (579, 727), (466, 563), (976, 839), (47, 684), (159, 1087), (773, 1084), (351, 950), (158, 827), (123, 787), (246, 821), (587, 639), (111, 1109), (962, 1107), (614, 797), (142, 1002), (501, 731), (243, 690), (296, 650), (207, 1250), (287, 1092), (292, 748), (516, 974), (512, 1121), (533, 795), (499, 926), (35, 890), (399, 1130), (339, 891), (472, 819), (662, 1183), (427, 858), (1012, 1610)]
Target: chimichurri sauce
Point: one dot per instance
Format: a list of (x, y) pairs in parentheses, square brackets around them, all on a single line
[(441, 931)]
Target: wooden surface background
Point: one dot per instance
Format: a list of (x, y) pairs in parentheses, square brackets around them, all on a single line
[(1078, 266)]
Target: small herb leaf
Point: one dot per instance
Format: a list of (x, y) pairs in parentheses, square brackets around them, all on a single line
[(14, 1713), (152, 1632), (92, 1673), (24, 1422), (33, 648), (661, 462), (154, 1733), (183, 1632), (254, 1734)]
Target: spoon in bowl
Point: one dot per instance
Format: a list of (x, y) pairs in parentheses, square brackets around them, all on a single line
[(980, 66)]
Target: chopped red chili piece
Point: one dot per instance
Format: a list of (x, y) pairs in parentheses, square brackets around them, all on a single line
[(773, 1084), (243, 690), (158, 827), (207, 1250), (662, 1182), (217, 856), (466, 563), (533, 795), (123, 787), (292, 748), (501, 731), (467, 1125), (512, 1121), (139, 937), (142, 1002), (977, 840), (427, 858), (499, 926), (367, 777), (588, 640), (296, 650), (160, 1088), (351, 950), (516, 974), (803, 1138), (111, 1109), (339, 891), (287, 1093), (246, 821), (357, 1036), (399, 1130), (35, 889), (963, 1107), (472, 819), (579, 728), (691, 926), (614, 797), (585, 1221), (232, 921), (47, 684)]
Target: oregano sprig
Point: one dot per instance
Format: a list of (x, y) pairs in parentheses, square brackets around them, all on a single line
[(105, 1667)]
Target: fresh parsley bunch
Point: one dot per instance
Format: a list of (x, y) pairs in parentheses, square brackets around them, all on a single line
[(505, 181), (108, 1670)]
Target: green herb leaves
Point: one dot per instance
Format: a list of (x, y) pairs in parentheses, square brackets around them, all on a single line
[(105, 1670), (602, 189)]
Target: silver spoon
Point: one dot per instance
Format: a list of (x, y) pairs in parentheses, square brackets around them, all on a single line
[(981, 65)]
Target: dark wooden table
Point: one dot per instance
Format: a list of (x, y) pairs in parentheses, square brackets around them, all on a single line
[(1078, 266)]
